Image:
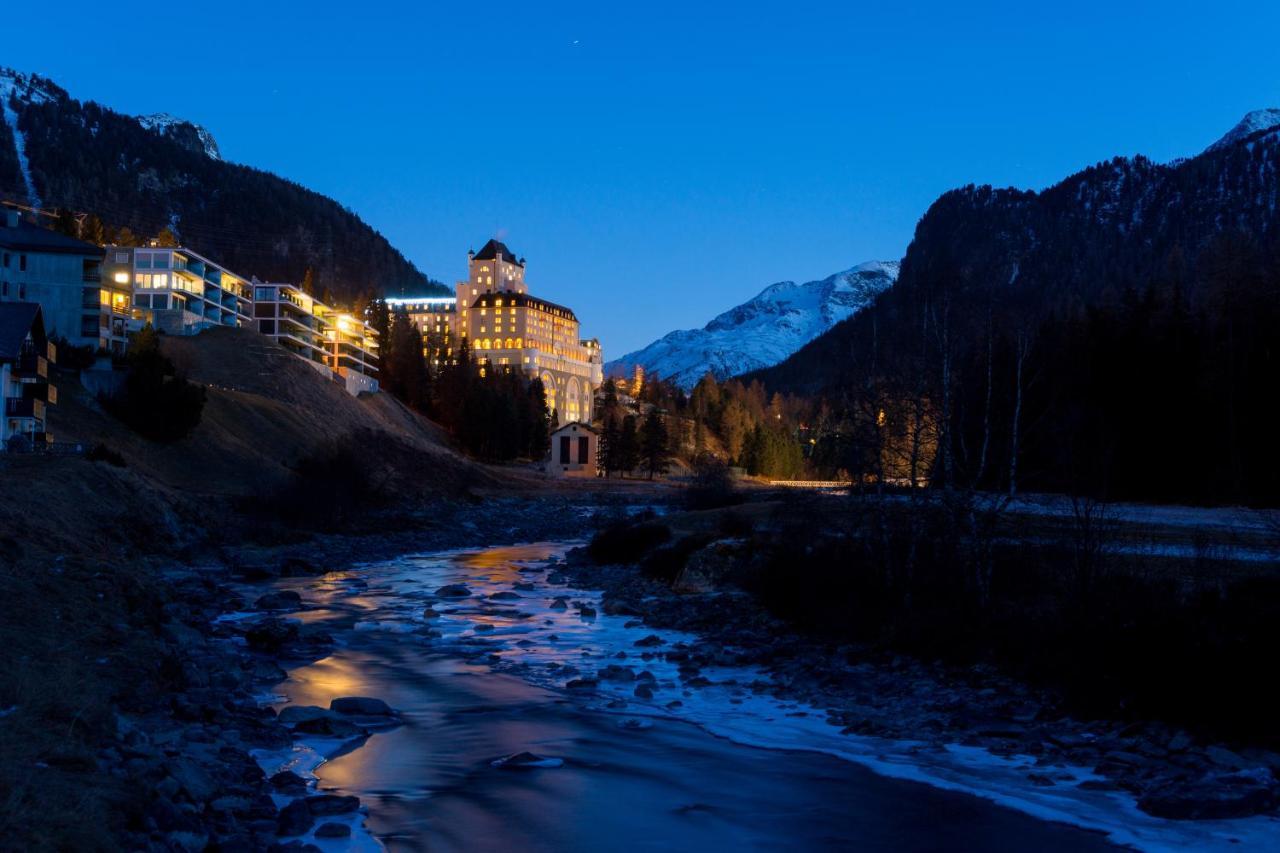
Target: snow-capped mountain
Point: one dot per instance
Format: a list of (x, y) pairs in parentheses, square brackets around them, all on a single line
[(763, 331), (1250, 124), (185, 132)]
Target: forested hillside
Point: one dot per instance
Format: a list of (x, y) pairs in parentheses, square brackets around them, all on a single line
[(1113, 334), (90, 159)]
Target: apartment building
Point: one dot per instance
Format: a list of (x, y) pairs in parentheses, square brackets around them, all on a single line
[(25, 391), (64, 275), (179, 291), (336, 343)]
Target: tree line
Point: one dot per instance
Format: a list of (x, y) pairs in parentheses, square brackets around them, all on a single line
[(495, 413)]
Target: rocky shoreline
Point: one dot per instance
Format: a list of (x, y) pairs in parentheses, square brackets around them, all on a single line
[(196, 748), (193, 749), (872, 693)]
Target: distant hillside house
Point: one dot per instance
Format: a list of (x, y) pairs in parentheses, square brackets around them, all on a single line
[(25, 354), (178, 291), (507, 327), (64, 275), (574, 448)]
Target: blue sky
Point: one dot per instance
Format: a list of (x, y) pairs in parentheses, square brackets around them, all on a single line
[(658, 163)]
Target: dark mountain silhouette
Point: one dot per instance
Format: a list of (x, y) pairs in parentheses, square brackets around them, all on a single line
[(1141, 301)]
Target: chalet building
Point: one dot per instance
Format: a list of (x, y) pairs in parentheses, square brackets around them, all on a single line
[(25, 391), (337, 344), (574, 447), (178, 291), (64, 275)]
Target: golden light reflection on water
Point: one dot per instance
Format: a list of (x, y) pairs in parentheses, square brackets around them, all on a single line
[(326, 679), (497, 564)]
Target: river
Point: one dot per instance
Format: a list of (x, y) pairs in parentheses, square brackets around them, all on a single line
[(482, 676)]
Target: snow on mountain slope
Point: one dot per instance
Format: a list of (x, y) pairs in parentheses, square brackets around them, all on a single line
[(1251, 123), (762, 331), (181, 129), (15, 85)]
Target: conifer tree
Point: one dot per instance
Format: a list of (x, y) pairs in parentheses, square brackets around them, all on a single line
[(653, 443)]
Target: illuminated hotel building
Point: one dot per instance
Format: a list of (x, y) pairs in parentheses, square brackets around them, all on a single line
[(508, 328)]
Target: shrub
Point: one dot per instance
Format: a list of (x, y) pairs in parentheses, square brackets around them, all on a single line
[(326, 487), (155, 402), (712, 485), (664, 564)]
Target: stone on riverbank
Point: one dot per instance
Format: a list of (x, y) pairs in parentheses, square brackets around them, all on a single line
[(288, 782), (294, 819), (270, 635), (1215, 797), (300, 567), (453, 590)]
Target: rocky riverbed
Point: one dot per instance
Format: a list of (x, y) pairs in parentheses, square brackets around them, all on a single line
[(197, 748), (230, 773), (1162, 771)]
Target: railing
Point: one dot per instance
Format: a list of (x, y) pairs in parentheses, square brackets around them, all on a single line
[(811, 484), (31, 365), (24, 408)]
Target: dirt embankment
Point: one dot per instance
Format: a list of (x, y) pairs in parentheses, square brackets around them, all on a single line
[(266, 413)]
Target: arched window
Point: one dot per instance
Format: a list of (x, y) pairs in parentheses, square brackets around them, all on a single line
[(519, 343), (510, 343), (484, 344)]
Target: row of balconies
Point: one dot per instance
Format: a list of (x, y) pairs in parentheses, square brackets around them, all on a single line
[(24, 407)]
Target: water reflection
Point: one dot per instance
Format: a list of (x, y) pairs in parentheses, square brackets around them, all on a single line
[(429, 783)]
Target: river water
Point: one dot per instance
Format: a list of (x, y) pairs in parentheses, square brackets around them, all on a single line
[(699, 765)]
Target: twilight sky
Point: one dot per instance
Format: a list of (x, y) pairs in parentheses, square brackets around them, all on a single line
[(658, 163)]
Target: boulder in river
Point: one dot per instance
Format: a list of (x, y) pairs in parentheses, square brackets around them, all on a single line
[(582, 684), (270, 635), (526, 761), (284, 599), (366, 706), (560, 604), (453, 590), (333, 830), (314, 720), (288, 782), (504, 595), (294, 819)]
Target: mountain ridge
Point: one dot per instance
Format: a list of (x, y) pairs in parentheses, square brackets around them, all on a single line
[(60, 153)]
